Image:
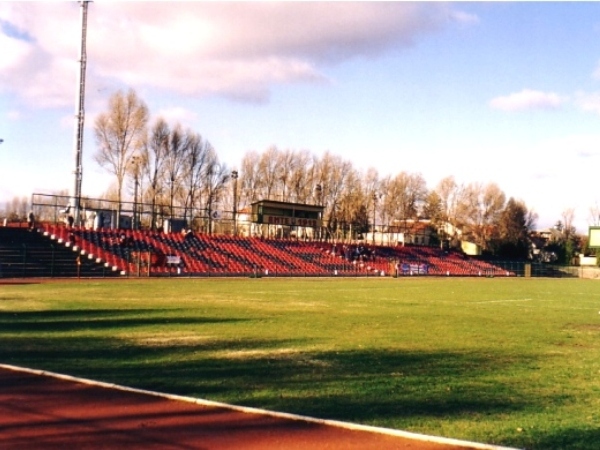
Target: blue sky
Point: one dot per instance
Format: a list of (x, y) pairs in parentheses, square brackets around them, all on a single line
[(487, 92)]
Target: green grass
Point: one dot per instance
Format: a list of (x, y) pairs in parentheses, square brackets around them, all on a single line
[(513, 362)]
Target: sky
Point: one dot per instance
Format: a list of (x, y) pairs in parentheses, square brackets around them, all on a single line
[(485, 91)]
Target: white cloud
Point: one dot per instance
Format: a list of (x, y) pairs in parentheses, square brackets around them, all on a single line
[(67, 121), (567, 165), (596, 73), (239, 49), (464, 18), (550, 175), (588, 102), (14, 115), (178, 115), (39, 52), (14, 52), (527, 99)]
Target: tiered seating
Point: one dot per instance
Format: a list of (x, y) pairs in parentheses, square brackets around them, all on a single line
[(299, 258), (206, 255), (27, 253), (444, 263), (90, 248)]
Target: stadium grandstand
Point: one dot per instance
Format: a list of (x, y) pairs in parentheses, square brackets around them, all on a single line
[(271, 239), (154, 253)]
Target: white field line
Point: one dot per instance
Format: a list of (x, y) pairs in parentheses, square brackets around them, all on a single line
[(501, 301), (209, 403), (522, 300)]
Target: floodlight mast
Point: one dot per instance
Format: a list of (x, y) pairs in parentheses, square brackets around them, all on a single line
[(79, 118)]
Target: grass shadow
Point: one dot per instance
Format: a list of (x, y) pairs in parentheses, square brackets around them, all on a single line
[(61, 321), (367, 386), (380, 386)]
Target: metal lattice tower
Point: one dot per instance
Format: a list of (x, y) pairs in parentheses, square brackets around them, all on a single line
[(80, 117)]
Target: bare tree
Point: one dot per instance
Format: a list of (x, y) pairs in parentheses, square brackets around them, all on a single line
[(432, 208), (217, 176), (270, 171), (413, 191), (478, 210), (153, 158), (386, 206), (333, 175), (450, 193), (319, 174), (16, 209), (120, 132), (514, 224), (568, 217), (175, 163), (594, 217), (491, 205), (353, 210), (196, 159), (286, 164), (134, 171), (301, 177), (250, 179), (403, 197)]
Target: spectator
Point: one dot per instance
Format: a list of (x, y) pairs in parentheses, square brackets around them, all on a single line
[(124, 241), (31, 221)]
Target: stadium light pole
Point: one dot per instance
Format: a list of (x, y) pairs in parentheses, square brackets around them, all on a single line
[(135, 162), (319, 190), (374, 209), (234, 176), (79, 117)]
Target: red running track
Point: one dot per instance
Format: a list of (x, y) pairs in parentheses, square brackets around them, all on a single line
[(44, 411)]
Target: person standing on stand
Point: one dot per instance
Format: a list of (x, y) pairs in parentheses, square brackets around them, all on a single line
[(31, 221)]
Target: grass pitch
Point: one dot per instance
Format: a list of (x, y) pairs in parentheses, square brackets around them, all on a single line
[(513, 362)]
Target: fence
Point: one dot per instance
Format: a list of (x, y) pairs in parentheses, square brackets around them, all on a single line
[(523, 268), (132, 215)]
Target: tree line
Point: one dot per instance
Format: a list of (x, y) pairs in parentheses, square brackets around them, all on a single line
[(178, 173), (179, 169)]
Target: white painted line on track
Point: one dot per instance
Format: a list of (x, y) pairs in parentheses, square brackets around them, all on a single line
[(275, 414)]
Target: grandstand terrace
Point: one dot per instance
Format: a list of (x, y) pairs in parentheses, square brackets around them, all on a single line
[(152, 253), (25, 253)]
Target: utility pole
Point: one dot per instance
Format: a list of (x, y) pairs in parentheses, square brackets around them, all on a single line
[(234, 176), (319, 191), (135, 162), (374, 211), (79, 118)]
